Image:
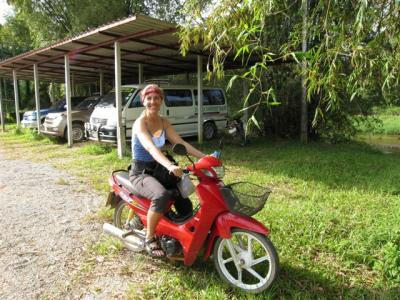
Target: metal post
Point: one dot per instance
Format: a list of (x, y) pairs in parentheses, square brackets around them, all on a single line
[(68, 99), (141, 79), (16, 97), (101, 85), (73, 87), (36, 83), (200, 98), (245, 118), (118, 100), (1, 106)]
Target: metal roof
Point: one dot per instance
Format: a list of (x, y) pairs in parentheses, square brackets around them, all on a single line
[(145, 40)]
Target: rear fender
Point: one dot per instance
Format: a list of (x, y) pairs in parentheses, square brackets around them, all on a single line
[(223, 227), (112, 200)]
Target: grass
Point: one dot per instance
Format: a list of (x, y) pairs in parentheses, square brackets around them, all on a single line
[(383, 121), (333, 215)]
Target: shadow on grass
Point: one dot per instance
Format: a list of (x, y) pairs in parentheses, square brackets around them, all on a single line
[(291, 283)]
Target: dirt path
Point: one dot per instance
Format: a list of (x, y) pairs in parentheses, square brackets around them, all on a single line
[(45, 235)]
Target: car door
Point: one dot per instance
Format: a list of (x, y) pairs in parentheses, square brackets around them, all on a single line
[(179, 109)]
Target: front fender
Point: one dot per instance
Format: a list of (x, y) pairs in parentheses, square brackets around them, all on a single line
[(223, 227)]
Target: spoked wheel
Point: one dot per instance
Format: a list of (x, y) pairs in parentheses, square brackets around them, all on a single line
[(247, 260), (126, 218)]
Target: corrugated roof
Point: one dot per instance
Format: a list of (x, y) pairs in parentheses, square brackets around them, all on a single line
[(143, 39)]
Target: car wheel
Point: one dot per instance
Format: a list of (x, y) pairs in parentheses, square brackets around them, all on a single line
[(78, 132), (209, 131)]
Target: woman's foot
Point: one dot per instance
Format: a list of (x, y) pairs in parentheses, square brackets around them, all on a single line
[(153, 248)]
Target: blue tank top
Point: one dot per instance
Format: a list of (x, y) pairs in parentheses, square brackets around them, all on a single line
[(140, 153)]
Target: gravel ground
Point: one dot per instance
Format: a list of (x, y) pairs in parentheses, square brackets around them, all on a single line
[(45, 235)]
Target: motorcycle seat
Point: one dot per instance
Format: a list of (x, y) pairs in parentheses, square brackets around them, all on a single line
[(123, 179)]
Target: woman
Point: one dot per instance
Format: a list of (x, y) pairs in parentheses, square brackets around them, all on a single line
[(149, 133)]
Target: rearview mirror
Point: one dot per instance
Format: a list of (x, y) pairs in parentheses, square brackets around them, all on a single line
[(179, 149)]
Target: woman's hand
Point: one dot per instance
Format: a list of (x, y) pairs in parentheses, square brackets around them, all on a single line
[(176, 170)]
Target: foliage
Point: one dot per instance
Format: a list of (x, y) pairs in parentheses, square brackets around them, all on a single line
[(352, 59), (381, 120)]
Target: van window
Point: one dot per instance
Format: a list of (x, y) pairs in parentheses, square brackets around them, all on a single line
[(211, 97), (178, 98), (109, 99), (136, 102)]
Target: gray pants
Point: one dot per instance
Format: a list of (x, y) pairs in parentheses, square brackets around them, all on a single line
[(148, 187)]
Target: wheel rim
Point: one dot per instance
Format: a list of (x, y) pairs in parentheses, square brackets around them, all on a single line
[(208, 131), (127, 219), (77, 133), (244, 261), (124, 216)]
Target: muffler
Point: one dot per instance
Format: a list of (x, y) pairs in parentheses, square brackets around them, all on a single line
[(133, 242)]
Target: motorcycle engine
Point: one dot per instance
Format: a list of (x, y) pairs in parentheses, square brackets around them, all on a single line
[(171, 246)]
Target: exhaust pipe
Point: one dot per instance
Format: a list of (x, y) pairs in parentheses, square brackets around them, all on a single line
[(132, 242)]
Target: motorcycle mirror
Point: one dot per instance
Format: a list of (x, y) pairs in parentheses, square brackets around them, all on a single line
[(179, 149)]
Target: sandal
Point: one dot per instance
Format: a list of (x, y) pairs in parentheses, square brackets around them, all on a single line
[(153, 248)]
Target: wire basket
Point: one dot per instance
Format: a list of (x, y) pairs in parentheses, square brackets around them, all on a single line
[(244, 197)]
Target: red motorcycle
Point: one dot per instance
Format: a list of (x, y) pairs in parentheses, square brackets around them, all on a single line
[(220, 225)]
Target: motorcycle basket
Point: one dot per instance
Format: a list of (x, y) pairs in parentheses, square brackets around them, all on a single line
[(245, 197)]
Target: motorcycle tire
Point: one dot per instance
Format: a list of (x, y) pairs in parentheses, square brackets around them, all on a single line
[(122, 220), (248, 260)]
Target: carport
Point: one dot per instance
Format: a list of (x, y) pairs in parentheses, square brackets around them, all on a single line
[(129, 49)]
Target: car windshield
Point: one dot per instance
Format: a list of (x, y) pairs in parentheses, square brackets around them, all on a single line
[(59, 104), (88, 103), (109, 99)]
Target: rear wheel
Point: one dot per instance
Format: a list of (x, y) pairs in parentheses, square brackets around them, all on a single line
[(126, 218), (248, 260), (209, 131)]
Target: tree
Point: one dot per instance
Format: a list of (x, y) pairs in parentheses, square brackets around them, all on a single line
[(352, 59)]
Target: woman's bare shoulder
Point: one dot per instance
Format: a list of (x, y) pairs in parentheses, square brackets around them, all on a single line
[(166, 122), (139, 123)]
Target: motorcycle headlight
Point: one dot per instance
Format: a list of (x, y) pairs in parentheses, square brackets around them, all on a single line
[(220, 171)]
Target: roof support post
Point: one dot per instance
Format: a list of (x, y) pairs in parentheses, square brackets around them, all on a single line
[(1, 106), (118, 100), (245, 117), (101, 84), (200, 99), (68, 99), (141, 79), (16, 97), (73, 87), (36, 82)]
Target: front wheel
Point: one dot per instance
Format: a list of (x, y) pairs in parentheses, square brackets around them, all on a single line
[(248, 260)]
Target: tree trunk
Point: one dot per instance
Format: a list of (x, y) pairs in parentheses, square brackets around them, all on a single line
[(304, 108)]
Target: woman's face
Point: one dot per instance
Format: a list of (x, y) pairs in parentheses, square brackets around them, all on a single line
[(152, 102)]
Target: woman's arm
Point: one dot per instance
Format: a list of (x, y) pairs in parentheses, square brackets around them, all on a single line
[(175, 138)]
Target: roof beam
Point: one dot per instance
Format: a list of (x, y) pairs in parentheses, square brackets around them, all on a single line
[(144, 33)]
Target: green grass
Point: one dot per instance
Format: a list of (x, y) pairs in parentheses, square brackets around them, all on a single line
[(334, 217), (382, 121)]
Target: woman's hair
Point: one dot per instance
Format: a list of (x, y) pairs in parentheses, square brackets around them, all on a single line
[(151, 88)]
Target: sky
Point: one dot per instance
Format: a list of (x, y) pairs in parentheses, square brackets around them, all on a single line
[(5, 9)]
